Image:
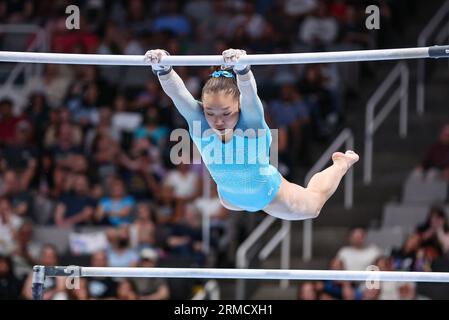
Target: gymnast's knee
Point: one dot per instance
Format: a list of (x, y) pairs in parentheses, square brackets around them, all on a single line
[(314, 207), (309, 212), (314, 212)]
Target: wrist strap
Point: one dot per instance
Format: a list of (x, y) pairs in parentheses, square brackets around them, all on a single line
[(244, 71), (163, 71)]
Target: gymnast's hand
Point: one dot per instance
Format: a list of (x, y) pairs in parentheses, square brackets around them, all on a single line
[(232, 56), (154, 57)]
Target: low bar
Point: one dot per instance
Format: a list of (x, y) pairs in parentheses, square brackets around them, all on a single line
[(261, 274)]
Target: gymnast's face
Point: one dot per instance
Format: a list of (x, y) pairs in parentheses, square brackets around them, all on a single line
[(222, 111)]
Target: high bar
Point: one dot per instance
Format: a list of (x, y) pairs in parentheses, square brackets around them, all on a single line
[(260, 274), (215, 60)]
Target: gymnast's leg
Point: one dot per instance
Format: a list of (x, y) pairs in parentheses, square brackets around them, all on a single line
[(294, 202)]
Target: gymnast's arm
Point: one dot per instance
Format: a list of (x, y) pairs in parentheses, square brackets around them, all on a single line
[(186, 104), (251, 106), (173, 86)]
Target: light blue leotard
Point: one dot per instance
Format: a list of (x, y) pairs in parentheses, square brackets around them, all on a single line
[(240, 167)]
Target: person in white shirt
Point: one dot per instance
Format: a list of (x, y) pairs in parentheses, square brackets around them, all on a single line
[(9, 224), (184, 185), (319, 29), (358, 255), (183, 182)]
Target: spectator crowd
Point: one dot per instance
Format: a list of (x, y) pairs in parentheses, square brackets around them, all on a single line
[(86, 149)]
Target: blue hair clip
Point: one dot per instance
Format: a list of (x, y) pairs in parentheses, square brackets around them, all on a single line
[(222, 73)]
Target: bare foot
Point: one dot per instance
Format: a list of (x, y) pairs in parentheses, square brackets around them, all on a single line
[(347, 159)]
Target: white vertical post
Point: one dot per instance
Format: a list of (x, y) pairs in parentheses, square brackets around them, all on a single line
[(285, 252), (349, 177), (206, 218), (421, 89), (368, 152), (405, 77), (307, 240)]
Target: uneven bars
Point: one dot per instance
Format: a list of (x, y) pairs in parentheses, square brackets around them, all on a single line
[(269, 274), (41, 272), (210, 60)]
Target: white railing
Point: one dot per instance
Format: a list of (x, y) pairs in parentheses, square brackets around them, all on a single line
[(401, 74), (423, 38), (243, 259), (344, 138), (206, 218), (39, 43)]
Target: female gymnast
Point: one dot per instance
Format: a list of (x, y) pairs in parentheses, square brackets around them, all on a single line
[(230, 102)]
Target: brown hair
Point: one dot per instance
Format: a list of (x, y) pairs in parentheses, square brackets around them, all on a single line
[(221, 84)]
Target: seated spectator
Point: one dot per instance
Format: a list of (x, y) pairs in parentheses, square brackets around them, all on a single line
[(65, 145), (52, 133), (120, 253), (84, 107), (148, 97), (249, 21), (340, 290), (126, 290), (436, 160), (98, 287), (38, 112), (317, 88), (152, 128), (10, 286), (185, 237), (10, 222), (151, 288), (13, 187), (319, 30), (171, 20), (76, 207), (371, 293), (59, 182), (166, 206), (404, 258), (112, 40), (54, 83), (390, 290), (16, 12), (25, 252), (428, 231), (21, 154), (55, 288), (142, 172), (307, 291), (116, 209), (8, 121), (291, 112), (358, 256), (102, 127), (218, 215), (185, 186), (143, 230), (353, 30), (105, 158)]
